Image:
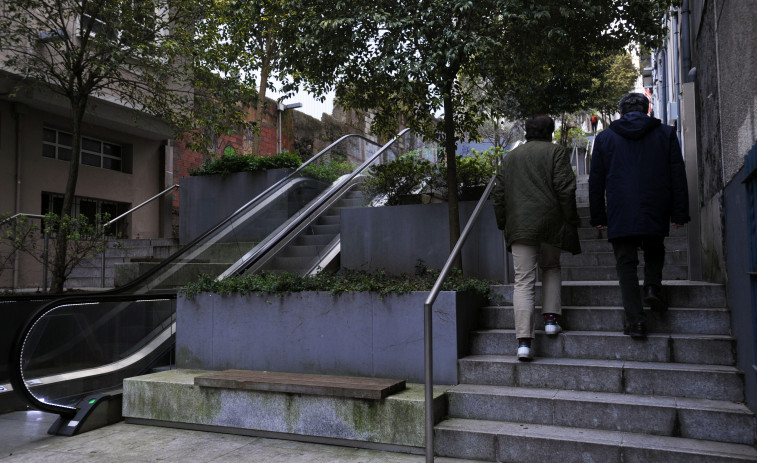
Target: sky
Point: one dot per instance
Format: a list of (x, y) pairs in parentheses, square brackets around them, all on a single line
[(310, 105)]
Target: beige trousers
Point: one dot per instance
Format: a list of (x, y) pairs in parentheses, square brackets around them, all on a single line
[(526, 254)]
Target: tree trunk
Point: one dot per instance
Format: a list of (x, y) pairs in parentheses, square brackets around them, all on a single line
[(449, 149), (61, 242), (265, 71)]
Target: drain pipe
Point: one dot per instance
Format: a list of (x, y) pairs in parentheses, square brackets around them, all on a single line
[(664, 79), (17, 133), (685, 39)]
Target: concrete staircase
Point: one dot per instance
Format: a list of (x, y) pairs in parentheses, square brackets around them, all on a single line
[(88, 274), (593, 394), (314, 243)]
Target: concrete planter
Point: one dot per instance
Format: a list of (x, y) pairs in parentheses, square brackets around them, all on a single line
[(355, 334), (393, 238), (206, 200)]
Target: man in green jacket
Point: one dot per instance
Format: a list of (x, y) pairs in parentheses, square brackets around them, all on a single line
[(535, 204)]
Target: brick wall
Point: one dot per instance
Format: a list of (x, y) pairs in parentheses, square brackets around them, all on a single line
[(184, 159)]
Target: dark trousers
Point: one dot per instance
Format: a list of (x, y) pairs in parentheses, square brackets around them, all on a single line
[(627, 262)]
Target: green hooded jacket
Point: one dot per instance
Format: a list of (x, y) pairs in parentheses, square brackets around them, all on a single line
[(534, 196)]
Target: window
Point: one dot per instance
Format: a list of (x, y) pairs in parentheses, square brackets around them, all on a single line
[(96, 27), (97, 153), (128, 23), (90, 208)]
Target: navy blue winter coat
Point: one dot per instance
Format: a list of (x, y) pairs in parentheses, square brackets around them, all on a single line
[(637, 164)]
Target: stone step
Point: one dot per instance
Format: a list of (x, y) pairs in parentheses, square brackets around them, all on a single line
[(607, 294), (222, 252), (643, 378), (300, 251), (715, 321), (662, 416), (587, 232), (129, 271), (351, 202), (88, 282), (305, 240), (607, 273), (95, 263), (528, 443), (164, 252), (330, 229), (92, 272), (290, 264), (672, 243), (678, 348), (673, 257), (329, 219)]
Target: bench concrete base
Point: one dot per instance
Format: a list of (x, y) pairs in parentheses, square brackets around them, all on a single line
[(171, 398)]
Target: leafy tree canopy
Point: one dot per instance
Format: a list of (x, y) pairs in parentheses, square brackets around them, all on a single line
[(413, 60), (146, 56)]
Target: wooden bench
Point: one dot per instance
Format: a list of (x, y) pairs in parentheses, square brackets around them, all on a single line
[(298, 383)]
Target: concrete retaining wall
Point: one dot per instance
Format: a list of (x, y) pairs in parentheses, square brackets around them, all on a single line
[(355, 334), (393, 238), (208, 199)]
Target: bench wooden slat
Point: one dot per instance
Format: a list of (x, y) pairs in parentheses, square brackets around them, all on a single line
[(299, 383)]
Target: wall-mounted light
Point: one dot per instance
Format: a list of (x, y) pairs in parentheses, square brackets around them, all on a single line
[(282, 108)]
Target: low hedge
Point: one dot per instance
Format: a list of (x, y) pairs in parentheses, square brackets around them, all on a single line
[(231, 163), (336, 283)]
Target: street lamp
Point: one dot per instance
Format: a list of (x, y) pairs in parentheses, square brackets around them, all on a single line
[(282, 108)]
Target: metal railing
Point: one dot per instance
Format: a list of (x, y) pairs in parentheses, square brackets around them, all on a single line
[(45, 249), (249, 261), (110, 222), (428, 342)]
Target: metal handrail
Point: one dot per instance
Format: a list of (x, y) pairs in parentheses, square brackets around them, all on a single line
[(108, 223), (428, 343), (45, 249), (124, 293), (167, 190), (250, 259)]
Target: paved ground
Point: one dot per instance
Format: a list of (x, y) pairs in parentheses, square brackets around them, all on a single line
[(24, 438)]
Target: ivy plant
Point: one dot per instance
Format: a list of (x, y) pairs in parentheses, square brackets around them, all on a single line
[(336, 283)]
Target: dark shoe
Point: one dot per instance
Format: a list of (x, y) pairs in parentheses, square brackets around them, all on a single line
[(653, 298), (551, 327), (636, 330), (524, 350)]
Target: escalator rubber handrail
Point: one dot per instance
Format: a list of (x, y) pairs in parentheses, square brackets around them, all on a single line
[(338, 189), (141, 279), (15, 368)]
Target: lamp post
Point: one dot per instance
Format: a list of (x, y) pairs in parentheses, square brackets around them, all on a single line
[(282, 108)]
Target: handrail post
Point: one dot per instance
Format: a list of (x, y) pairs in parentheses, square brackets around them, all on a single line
[(428, 358), (45, 253), (108, 223), (102, 268), (428, 350)]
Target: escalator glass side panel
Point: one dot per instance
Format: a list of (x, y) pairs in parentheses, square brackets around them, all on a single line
[(250, 226), (311, 244), (74, 349)]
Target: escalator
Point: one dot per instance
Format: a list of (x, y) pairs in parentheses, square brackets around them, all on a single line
[(73, 353)]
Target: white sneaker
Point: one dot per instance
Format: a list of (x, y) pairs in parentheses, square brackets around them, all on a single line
[(524, 354), (552, 328)]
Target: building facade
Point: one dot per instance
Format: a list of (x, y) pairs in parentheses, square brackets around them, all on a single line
[(703, 83)]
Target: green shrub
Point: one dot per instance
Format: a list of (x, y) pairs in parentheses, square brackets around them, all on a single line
[(335, 283), (405, 175), (230, 163), (473, 171), (328, 171)]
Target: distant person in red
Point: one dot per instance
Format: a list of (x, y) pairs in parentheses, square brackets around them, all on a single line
[(594, 121)]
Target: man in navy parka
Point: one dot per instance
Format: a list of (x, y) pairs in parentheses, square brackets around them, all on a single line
[(638, 167)]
